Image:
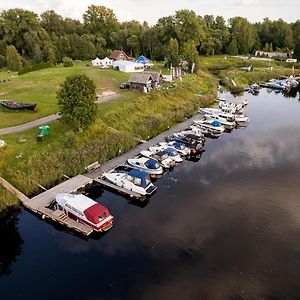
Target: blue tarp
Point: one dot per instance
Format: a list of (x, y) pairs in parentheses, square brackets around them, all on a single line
[(143, 60)]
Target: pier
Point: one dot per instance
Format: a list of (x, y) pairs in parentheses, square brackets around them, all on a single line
[(43, 203)]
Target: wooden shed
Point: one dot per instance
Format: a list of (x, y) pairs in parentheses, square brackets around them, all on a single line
[(140, 82), (157, 79)]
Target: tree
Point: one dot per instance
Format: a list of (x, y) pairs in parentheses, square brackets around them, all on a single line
[(190, 52), (13, 58), (172, 53), (232, 47), (76, 99)]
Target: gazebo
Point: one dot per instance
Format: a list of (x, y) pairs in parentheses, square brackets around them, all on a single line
[(145, 61)]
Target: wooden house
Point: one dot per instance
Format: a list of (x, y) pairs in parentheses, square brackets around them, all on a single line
[(119, 55), (141, 82)]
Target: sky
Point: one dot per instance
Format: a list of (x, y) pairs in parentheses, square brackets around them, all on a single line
[(151, 11)]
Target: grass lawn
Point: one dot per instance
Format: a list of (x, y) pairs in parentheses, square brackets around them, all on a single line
[(41, 87)]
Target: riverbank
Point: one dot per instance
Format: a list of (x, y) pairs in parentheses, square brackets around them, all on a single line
[(28, 164)]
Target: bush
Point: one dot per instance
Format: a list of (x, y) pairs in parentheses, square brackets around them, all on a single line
[(35, 67), (67, 61)]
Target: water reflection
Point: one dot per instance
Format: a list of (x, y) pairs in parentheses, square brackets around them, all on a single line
[(224, 227), (10, 241)]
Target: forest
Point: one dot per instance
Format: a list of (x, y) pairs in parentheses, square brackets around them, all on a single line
[(28, 38)]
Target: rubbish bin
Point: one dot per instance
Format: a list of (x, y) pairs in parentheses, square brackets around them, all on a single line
[(45, 129)]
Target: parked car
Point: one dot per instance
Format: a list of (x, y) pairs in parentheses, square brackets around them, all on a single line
[(124, 85)]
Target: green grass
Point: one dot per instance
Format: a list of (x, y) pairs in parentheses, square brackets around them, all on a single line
[(41, 87), (25, 164)]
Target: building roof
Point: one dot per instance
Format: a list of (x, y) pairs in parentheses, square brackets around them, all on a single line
[(144, 60), (117, 53), (154, 75), (140, 78)]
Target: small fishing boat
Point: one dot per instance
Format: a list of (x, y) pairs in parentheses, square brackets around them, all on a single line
[(180, 147), (172, 152), (18, 105), (134, 180), (147, 165), (85, 210), (230, 106), (162, 157)]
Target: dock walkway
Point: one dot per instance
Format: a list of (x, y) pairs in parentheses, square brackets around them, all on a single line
[(40, 203)]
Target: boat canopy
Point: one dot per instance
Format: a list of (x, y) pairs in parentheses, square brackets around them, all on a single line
[(96, 213), (216, 123), (171, 151), (179, 145), (142, 177), (152, 164)]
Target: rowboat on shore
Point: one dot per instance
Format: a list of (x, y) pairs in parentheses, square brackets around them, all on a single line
[(18, 105)]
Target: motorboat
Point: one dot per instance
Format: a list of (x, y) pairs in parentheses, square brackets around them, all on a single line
[(85, 210), (238, 117), (162, 157), (232, 107), (215, 125), (172, 152), (192, 141), (208, 132), (148, 165), (133, 180), (179, 146), (227, 124), (196, 131)]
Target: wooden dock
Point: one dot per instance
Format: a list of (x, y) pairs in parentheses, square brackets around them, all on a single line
[(41, 203)]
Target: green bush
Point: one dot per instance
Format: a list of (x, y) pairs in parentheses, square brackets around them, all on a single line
[(35, 67), (67, 61)]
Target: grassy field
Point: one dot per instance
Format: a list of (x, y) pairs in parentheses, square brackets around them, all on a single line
[(26, 162), (41, 87)]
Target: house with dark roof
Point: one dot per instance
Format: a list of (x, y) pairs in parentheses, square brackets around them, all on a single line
[(141, 82), (119, 55), (157, 79)]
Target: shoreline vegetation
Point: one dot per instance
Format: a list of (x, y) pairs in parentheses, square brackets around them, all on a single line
[(28, 164)]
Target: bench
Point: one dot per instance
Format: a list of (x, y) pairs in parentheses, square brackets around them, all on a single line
[(93, 167)]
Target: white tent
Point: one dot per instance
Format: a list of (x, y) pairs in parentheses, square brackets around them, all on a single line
[(128, 66), (106, 63), (96, 62)]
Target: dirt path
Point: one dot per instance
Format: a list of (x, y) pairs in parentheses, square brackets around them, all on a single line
[(45, 120)]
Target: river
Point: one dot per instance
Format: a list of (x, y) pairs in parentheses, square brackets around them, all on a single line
[(224, 227)]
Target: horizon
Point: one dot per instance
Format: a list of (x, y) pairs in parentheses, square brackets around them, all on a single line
[(254, 10)]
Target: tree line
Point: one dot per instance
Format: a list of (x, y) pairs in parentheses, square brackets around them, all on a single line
[(26, 37)]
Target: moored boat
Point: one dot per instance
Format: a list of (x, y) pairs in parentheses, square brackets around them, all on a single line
[(85, 210), (147, 165)]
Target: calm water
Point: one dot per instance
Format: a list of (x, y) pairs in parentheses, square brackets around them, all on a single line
[(225, 227)]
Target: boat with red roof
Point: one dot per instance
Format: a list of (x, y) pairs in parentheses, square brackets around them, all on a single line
[(86, 211)]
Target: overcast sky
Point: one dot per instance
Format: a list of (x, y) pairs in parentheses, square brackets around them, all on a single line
[(152, 10)]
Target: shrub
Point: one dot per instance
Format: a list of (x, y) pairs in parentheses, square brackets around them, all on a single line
[(35, 67), (67, 61)]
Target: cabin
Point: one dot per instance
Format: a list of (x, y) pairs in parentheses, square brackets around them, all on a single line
[(146, 61), (119, 55), (128, 66), (157, 79), (140, 82)]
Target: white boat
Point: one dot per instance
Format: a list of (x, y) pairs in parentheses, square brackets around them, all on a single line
[(209, 132), (134, 180), (210, 124), (227, 124), (195, 131), (172, 152), (180, 147), (237, 117), (192, 141), (230, 106), (147, 165), (85, 210), (162, 157)]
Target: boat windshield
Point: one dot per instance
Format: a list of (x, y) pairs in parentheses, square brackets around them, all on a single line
[(141, 182), (102, 217)]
